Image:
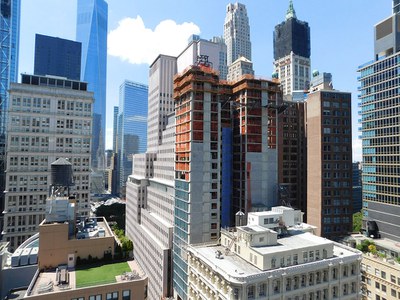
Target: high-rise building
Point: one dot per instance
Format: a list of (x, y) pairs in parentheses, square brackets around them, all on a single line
[(225, 157), (212, 52), (240, 67), (10, 11), (237, 32), (91, 31), (379, 95), (292, 155), (58, 57), (150, 189), (115, 129), (329, 153), (49, 118), (292, 53), (132, 126), (357, 187)]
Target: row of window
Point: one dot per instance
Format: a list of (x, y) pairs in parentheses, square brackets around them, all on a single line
[(126, 295)]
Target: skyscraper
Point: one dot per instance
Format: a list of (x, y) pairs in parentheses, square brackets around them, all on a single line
[(49, 118), (292, 53), (115, 129), (379, 97), (329, 153), (150, 189), (132, 126), (237, 32), (91, 31), (58, 57), (9, 36)]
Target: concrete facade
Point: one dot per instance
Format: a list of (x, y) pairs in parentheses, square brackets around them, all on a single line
[(150, 189), (49, 118)]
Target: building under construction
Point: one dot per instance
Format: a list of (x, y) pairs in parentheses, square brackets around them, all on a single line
[(226, 157)]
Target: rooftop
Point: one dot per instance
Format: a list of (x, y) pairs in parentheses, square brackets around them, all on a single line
[(236, 269), (62, 279)]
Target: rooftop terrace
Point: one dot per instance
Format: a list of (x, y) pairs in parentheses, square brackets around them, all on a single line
[(62, 279)]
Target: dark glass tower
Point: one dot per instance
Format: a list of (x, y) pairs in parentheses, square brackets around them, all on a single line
[(292, 35), (91, 31), (56, 56), (9, 48)]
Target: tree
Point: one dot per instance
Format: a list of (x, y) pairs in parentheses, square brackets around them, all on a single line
[(357, 222), (366, 246)]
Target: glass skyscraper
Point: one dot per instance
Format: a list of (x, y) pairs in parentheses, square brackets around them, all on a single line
[(56, 56), (132, 125), (9, 36), (379, 100), (91, 31)]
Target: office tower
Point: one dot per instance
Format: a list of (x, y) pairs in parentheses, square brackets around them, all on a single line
[(49, 118), (212, 52), (132, 126), (257, 261), (204, 108), (378, 99), (91, 31), (357, 187), (150, 189), (292, 155), (223, 67), (58, 57), (237, 32), (240, 67), (292, 53), (9, 36), (329, 153), (115, 129)]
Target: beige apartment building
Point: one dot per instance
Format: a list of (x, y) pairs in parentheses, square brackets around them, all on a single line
[(275, 256)]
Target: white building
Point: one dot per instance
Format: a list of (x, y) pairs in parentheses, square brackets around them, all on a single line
[(294, 72), (49, 118), (214, 50), (237, 32), (240, 67), (150, 189), (286, 262)]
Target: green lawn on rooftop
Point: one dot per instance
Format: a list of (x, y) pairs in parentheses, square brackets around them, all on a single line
[(100, 275)]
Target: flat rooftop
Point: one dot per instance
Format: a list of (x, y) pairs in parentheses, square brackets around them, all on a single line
[(60, 280), (235, 268)]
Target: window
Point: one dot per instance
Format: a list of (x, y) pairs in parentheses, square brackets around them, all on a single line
[(79, 298), (250, 292), (262, 289), (126, 295), (112, 296), (96, 297), (383, 275)]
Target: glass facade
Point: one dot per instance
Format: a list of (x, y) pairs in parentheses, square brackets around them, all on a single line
[(59, 57), (132, 125), (9, 36), (292, 35), (91, 31), (379, 100)]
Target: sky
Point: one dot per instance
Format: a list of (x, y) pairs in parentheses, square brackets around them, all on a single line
[(139, 30)]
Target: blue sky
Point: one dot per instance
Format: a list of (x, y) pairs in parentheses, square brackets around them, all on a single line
[(341, 36)]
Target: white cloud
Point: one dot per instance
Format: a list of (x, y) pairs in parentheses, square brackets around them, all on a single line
[(131, 41)]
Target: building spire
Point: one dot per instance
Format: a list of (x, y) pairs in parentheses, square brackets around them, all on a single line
[(291, 13)]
